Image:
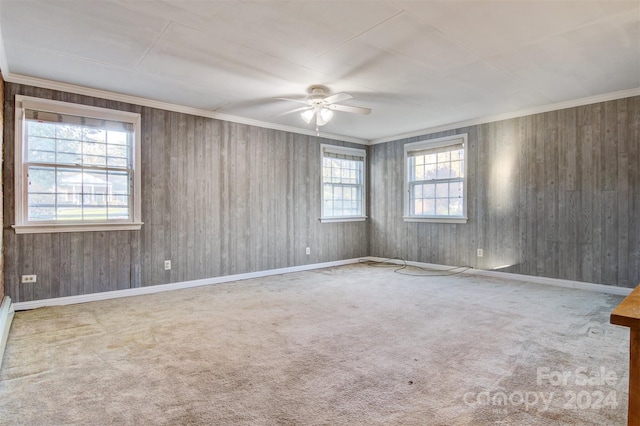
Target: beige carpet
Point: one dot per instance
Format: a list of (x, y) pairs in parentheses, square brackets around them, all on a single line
[(352, 345)]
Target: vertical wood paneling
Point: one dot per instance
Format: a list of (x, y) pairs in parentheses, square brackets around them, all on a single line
[(2, 216), (222, 198), (569, 207), (218, 198), (633, 150)]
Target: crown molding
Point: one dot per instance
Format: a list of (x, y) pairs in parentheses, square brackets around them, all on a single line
[(521, 113), (136, 100)]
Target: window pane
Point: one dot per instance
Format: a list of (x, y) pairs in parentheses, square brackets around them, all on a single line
[(42, 200), (430, 172), (118, 213), (442, 206), (118, 183), (417, 191), (42, 179), (67, 146), (455, 206), (442, 190), (95, 135), (69, 159), (64, 199), (67, 131), (38, 156), (117, 151), (417, 207), (429, 207), (69, 212), (35, 128), (94, 213), (455, 189), (117, 138), (46, 144), (429, 190), (444, 157), (41, 206), (456, 169), (444, 171)]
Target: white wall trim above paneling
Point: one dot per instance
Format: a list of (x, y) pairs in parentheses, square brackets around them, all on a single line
[(93, 297), (136, 100), (119, 97), (6, 317), (506, 116), (578, 285)]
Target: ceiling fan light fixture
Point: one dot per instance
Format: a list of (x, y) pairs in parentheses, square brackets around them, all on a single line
[(324, 116), (307, 115), (320, 106)]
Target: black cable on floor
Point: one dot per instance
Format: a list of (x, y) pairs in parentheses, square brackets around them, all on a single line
[(425, 271)]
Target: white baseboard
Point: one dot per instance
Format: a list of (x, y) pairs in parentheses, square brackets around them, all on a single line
[(6, 317), (70, 300), (20, 306), (601, 288)]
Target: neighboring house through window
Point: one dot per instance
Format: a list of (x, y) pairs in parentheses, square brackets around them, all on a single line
[(77, 167), (435, 185), (343, 183)]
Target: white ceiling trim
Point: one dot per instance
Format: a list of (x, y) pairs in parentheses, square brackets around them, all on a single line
[(522, 113), (119, 97)]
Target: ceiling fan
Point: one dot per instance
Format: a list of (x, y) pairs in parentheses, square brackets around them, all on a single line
[(319, 105)]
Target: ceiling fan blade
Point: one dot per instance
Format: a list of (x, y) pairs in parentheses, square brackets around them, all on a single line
[(338, 97), (347, 108), (301, 101), (304, 108)]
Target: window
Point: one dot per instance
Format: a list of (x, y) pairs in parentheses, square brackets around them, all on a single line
[(343, 190), (77, 168), (436, 180)]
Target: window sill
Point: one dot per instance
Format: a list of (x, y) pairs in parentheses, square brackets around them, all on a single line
[(435, 219), (46, 228), (343, 219)]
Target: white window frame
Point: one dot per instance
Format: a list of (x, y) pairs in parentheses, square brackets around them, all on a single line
[(341, 150), (433, 144), (23, 225)]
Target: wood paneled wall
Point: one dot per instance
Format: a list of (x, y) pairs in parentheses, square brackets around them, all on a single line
[(1, 189), (554, 195), (219, 198)]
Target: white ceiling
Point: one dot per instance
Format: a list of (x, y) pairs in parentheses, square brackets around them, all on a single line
[(417, 64)]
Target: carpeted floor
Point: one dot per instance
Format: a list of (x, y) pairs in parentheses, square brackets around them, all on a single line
[(352, 345)]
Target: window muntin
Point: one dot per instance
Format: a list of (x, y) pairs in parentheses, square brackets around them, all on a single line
[(436, 179), (343, 189), (76, 166)]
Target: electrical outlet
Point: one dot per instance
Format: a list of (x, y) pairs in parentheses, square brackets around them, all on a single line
[(167, 265), (28, 279), (480, 253), (308, 251)]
